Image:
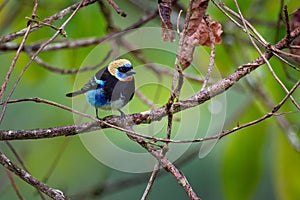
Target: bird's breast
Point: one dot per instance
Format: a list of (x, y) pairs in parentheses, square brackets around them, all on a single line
[(97, 98)]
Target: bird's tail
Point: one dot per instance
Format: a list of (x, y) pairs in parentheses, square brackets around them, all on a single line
[(73, 94)]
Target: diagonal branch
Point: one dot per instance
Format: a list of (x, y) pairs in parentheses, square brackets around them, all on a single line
[(168, 166), (53, 193), (82, 42)]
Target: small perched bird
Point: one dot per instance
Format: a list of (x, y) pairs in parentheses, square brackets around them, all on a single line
[(110, 88)]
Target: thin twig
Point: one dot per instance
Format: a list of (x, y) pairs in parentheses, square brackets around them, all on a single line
[(245, 25), (116, 7), (41, 23), (287, 22), (282, 120), (278, 53), (212, 53), (163, 151), (268, 115), (40, 100), (144, 98), (3, 4), (221, 6), (109, 187), (151, 181), (68, 71), (156, 68), (55, 162), (70, 43), (168, 166), (14, 185), (10, 146), (4, 85)]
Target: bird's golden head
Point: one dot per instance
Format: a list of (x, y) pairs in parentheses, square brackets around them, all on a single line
[(121, 69)]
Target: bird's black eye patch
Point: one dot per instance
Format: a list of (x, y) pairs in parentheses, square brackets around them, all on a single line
[(124, 69)]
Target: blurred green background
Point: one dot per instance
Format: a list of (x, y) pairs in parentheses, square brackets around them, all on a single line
[(255, 163)]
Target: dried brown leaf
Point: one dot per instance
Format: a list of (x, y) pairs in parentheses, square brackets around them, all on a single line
[(203, 36), (165, 10), (198, 11), (186, 51), (197, 33), (188, 41)]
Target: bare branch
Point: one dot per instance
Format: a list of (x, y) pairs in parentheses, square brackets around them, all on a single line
[(156, 68), (212, 53), (68, 71), (3, 4), (287, 21), (296, 144), (165, 10), (151, 181), (13, 183), (168, 166), (18, 157), (116, 7), (70, 43)]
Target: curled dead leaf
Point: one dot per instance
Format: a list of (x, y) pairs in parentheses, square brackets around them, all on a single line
[(165, 10), (188, 41), (186, 51), (198, 11), (199, 37), (203, 36)]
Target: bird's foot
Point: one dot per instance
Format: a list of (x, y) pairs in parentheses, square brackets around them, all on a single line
[(98, 117), (123, 116)]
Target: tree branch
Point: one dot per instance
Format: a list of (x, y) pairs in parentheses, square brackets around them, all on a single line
[(53, 193), (75, 43)]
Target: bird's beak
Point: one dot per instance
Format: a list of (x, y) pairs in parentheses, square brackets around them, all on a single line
[(131, 72)]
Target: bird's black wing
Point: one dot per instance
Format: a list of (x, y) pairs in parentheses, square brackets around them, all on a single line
[(90, 85)]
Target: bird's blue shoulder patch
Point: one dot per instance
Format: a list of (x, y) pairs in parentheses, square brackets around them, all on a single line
[(100, 82)]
